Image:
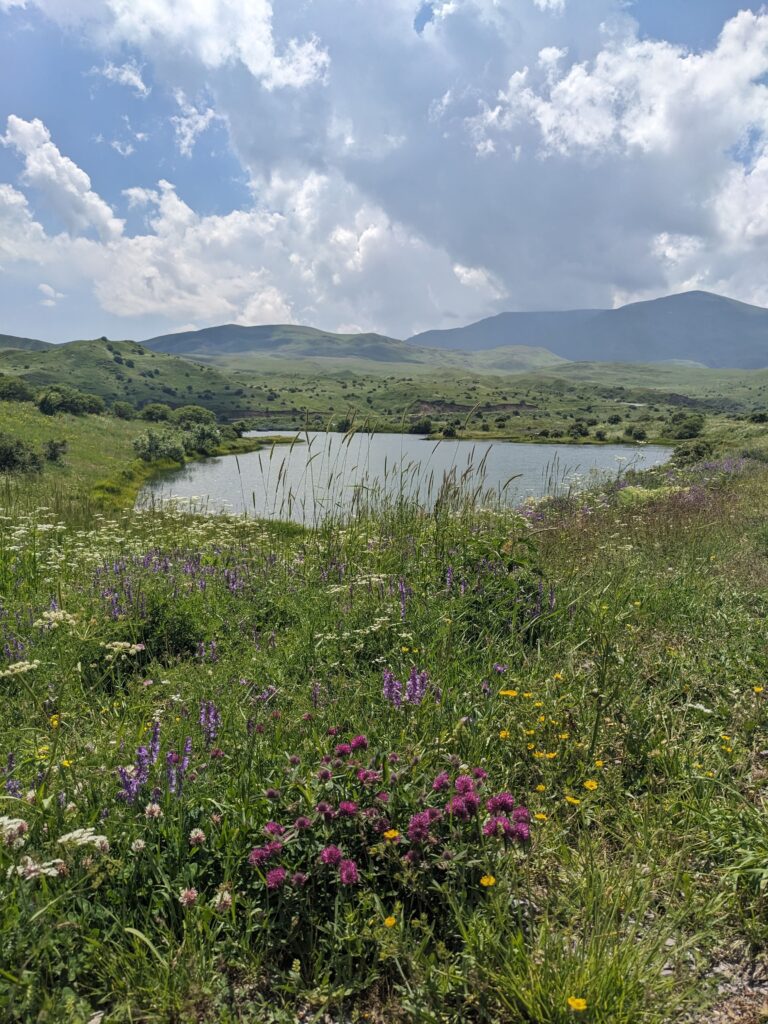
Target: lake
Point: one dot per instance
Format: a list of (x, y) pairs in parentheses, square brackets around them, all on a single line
[(328, 473)]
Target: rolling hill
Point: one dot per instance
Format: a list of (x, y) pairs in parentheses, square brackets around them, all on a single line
[(28, 344), (696, 326), (258, 348)]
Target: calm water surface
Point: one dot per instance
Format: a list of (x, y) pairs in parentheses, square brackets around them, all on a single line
[(324, 474)]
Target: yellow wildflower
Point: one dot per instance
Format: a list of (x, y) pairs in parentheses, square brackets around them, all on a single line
[(54, 721), (572, 801), (487, 881), (576, 1003), (507, 693), (390, 922), (599, 764), (591, 785), (391, 833), (541, 788), (758, 689), (540, 817), (503, 734)]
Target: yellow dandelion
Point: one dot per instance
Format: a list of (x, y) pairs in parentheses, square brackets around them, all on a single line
[(391, 833), (503, 734), (558, 676), (551, 755), (728, 750), (487, 881), (757, 689), (572, 801), (577, 1003), (540, 817), (591, 785), (530, 732), (390, 922), (541, 788), (599, 764)]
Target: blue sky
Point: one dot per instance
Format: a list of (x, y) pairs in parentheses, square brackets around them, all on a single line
[(387, 166)]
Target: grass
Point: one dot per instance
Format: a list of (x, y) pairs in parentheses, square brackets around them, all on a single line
[(193, 689)]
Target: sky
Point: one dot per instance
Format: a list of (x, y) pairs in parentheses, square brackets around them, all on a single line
[(374, 165)]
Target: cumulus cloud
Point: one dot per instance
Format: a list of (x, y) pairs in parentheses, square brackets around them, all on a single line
[(495, 156), (65, 187), (50, 295), (190, 123), (128, 74)]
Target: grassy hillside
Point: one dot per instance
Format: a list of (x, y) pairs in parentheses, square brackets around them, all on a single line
[(463, 767), (30, 344), (124, 370)]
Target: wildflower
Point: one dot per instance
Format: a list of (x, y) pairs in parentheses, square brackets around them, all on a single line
[(222, 901), (29, 869), (153, 812), (85, 837), (298, 878), (391, 834), (347, 809), (348, 873), (302, 823), (324, 774), (540, 817), (188, 897), (276, 878), (343, 749), (480, 774), (487, 881), (359, 743), (331, 855), (464, 784), (507, 693), (138, 845), (197, 837), (591, 785), (500, 669), (499, 826), (442, 781), (418, 827), (503, 734), (274, 828), (390, 922), (54, 721), (599, 764), (573, 801), (577, 1004), (541, 788), (501, 802), (12, 831), (460, 807), (757, 689)]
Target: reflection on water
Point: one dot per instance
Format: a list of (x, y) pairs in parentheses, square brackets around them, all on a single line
[(323, 474)]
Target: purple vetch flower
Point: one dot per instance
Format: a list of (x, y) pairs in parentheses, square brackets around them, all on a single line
[(449, 578), (404, 592), (393, 688), (416, 686), (210, 720), (348, 873)]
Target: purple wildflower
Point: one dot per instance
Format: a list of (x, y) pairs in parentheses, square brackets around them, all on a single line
[(276, 878), (442, 781), (348, 873), (393, 688), (501, 802), (331, 855)]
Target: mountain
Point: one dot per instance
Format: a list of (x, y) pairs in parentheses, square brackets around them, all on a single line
[(8, 341), (283, 340), (128, 371), (247, 347), (697, 326)]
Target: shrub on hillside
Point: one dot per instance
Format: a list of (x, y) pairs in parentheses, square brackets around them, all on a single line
[(123, 410), (13, 389), (18, 457), (153, 447), (156, 412), (63, 398), (188, 415), (54, 450), (203, 438)]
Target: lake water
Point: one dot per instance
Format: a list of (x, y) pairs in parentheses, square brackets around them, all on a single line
[(328, 473)]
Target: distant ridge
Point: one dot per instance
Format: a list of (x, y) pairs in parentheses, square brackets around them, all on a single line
[(8, 341), (693, 326)]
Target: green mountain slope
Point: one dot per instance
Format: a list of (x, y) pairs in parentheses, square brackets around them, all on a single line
[(28, 344), (127, 371), (697, 326)]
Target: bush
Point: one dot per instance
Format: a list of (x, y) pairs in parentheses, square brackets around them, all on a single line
[(123, 410), (449, 431), (13, 389), (203, 438), (686, 426), (53, 450), (63, 398), (187, 415), (691, 453), (153, 447), (156, 412), (422, 426), (18, 457)]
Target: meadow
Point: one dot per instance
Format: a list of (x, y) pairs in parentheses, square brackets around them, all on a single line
[(481, 764)]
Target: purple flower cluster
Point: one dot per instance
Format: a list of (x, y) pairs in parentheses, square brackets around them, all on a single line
[(210, 720)]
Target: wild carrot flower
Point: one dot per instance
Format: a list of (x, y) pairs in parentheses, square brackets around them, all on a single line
[(348, 873)]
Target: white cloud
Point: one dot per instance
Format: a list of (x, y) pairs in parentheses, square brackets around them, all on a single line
[(128, 74), (215, 32), (66, 188), (550, 5), (190, 123), (50, 295), (123, 148)]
